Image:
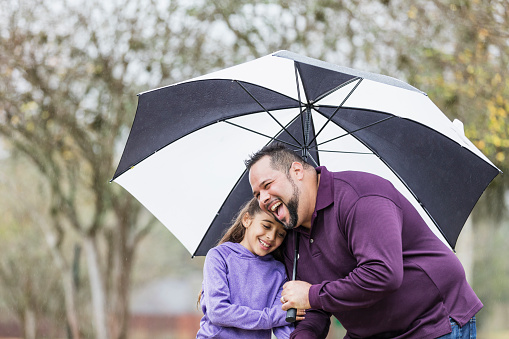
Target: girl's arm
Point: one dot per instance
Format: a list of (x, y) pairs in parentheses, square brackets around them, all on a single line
[(218, 304), (282, 332)]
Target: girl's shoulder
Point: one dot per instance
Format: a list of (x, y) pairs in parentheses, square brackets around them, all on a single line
[(225, 249)]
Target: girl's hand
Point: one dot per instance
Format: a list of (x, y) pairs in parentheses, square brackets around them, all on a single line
[(300, 315)]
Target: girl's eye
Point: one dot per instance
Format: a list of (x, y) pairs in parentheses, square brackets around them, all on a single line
[(266, 227), (282, 235)]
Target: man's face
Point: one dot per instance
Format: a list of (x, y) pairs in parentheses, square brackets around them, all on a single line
[(277, 194)]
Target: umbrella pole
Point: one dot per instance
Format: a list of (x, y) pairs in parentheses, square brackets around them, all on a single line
[(291, 314)]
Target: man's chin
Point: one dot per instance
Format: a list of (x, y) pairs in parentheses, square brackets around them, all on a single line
[(281, 222), (287, 226)]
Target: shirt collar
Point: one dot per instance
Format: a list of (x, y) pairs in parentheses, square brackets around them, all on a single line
[(325, 194)]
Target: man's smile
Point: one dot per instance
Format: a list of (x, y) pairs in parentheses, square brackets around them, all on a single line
[(275, 206)]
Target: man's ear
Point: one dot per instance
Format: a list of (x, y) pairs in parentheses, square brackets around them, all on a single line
[(297, 169)]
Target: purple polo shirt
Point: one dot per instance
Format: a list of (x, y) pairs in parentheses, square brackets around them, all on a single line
[(375, 264)]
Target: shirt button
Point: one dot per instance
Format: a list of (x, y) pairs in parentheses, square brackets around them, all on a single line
[(311, 241)]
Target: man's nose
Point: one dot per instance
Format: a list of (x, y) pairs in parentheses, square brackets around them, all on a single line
[(264, 197)]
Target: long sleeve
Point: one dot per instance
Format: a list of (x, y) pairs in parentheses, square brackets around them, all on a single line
[(315, 326), (222, 312), (373, 230), (282, 332)]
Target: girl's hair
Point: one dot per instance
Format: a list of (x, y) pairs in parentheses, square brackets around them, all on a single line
[(235, 233)]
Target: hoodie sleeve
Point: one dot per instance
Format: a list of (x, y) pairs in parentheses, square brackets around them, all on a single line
[(282, 332), (218, 304)]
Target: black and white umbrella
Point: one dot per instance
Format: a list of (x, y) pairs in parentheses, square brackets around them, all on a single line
[(184, 158)]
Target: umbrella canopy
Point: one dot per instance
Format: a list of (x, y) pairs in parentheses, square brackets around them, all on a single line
[(184, 157)]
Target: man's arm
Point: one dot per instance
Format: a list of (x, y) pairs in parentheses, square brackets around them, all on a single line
[(373, 230), (315, 326)]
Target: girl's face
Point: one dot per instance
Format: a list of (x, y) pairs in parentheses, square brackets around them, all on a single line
[(263, 234)]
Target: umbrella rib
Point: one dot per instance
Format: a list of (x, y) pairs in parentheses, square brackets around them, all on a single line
[(310, 157), (345, 152), (263, 135), (337, 109), (359, 129), (336, 88), (266, 111), (297, 82), (300, 101)]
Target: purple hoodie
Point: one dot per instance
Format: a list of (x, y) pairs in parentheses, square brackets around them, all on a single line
[(241, 295)]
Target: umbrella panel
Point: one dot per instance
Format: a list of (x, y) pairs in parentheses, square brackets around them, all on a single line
[(432, 165), (184, 184), (170, 118), (170, 113), (241, 193)]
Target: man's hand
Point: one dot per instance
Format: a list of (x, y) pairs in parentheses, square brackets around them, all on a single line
[(295, 295)]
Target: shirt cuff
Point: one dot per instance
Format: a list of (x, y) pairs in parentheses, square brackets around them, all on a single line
[(303, 334), (314, 299)]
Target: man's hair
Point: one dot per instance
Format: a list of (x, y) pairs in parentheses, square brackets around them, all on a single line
[(281, 158)]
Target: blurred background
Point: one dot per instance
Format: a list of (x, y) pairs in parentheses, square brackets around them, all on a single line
[(82, 259)]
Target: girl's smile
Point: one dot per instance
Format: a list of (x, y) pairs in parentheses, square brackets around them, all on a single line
[(263, 234)]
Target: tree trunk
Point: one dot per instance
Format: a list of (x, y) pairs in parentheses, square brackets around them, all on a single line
[(67, 282), (30, 324), (70, 304), (97, 289), (122, 266)]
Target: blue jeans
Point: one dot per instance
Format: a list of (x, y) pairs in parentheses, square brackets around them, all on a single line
[(469, 331)]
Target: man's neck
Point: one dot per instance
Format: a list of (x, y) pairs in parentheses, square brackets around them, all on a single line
[(312, 188)]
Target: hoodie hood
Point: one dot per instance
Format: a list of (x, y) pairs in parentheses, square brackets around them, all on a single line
[(243, 252)]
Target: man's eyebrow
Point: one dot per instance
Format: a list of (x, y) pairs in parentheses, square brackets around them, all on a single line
[(255, 192), (263, 182)]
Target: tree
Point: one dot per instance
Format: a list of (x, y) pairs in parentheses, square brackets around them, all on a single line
[(29, 281), (70, 72)]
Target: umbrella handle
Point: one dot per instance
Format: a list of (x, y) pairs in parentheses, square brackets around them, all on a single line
[(291, 314)]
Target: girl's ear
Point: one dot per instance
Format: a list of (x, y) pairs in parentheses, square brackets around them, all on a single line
[(246, 220)]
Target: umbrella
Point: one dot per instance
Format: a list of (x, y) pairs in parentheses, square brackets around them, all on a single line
[(183, 159)]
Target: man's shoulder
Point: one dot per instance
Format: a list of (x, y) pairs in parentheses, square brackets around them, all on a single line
[(362, 183)]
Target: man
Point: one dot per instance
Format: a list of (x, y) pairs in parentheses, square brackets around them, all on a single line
[(366, 256)]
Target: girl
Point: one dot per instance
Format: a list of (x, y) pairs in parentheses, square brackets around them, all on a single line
[(242, 282)]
